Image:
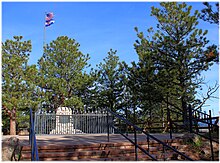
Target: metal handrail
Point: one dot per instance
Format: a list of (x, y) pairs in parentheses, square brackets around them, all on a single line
[(142, 149), (148, 136), (203, 121), (32, 139), (199, 112), (193, 117)]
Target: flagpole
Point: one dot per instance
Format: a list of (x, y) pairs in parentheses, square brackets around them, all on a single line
[(44, 30), (47, 22)]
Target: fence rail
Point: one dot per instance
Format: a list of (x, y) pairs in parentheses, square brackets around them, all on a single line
[(32, 140), (123, 121), (74, 123)]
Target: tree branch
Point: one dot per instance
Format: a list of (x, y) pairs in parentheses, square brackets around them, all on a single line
[(210, 92)]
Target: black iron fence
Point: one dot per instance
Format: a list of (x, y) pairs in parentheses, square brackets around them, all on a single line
[(194, 119), (121, 128), (67, 123), (32, 139)]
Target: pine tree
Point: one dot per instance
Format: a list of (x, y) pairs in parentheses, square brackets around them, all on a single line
[(143, 96), (62, 73), (210, 15), (176, 52), (109, 85), (19, 91)]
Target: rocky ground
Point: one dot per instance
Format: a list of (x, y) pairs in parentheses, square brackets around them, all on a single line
[(199, 148), (11, 149)]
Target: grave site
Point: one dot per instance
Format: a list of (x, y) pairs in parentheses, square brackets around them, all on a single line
[(110, 81)]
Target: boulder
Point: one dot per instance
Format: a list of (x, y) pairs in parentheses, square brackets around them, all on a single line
[(11, 149)]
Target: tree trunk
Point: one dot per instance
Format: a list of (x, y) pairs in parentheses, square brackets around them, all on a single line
[(12, 126), (184, 107), (12, 115)]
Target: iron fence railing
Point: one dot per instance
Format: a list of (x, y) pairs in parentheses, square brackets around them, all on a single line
[(120, 129), (74, 123), (32, 139), (192, 124)]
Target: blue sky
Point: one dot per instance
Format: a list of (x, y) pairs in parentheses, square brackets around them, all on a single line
[(97, 26)]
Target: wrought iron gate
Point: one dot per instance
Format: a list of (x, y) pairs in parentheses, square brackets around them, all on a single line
[(47, 122)]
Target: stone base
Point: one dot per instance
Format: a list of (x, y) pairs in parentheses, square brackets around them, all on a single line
[(67, 129)]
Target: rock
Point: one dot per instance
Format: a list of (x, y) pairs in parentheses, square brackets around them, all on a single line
[(11, 149), (188, 135)]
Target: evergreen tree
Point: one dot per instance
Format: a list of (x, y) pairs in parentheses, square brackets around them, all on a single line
[(62, 73), (176, 50), (87, 92), (19, 91), (109, 85), (210, 15), (144, 99)]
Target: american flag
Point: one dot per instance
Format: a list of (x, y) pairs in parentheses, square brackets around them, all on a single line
[(49, 16), (49, 19)]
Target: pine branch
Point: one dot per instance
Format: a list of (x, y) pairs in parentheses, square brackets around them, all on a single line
[(210, 92)]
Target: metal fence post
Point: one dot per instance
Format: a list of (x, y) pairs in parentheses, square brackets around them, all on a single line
[(126, 115), (210, 134), (31, 135), (108, 125), (164, 156), (169, 121), (135, 136), (135, 141), (148, 144), (190, 119), (30, 128)]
